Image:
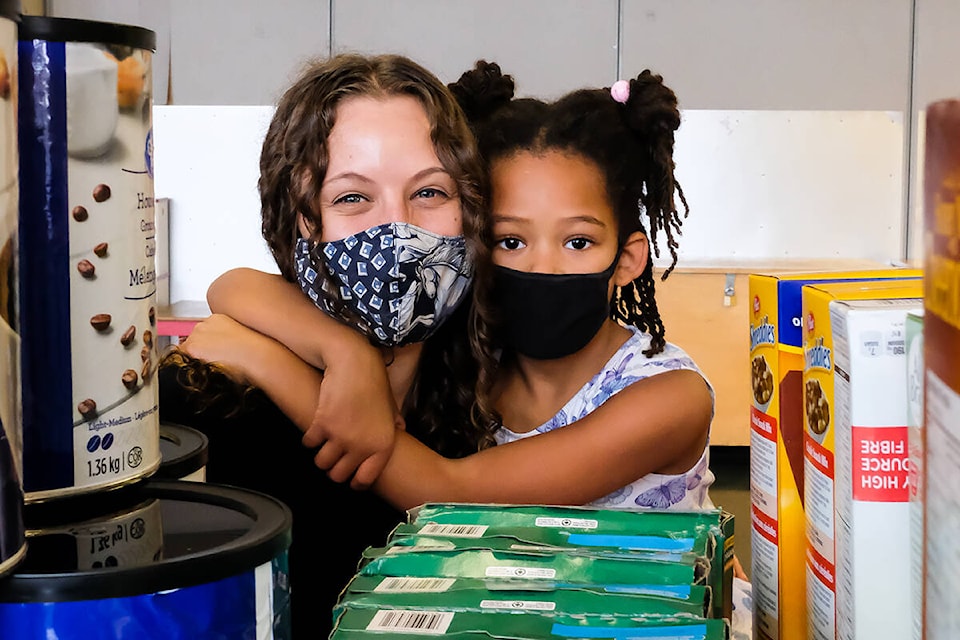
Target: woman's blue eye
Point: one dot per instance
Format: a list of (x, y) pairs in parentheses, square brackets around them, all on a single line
[(350, 198), (429, 193)]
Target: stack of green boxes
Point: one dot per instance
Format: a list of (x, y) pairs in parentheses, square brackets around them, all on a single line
[(522, 572)]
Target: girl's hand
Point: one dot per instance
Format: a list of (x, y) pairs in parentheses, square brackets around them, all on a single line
[(356, 418)]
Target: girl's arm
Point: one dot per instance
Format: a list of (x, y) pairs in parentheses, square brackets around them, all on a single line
[(651, 425)]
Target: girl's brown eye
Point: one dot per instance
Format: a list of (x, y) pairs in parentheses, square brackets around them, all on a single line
[(579, 244)]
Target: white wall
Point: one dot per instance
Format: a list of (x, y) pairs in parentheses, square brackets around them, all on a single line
[(823, 56)]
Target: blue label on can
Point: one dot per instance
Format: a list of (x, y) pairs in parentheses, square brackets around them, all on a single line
[(225, 609)]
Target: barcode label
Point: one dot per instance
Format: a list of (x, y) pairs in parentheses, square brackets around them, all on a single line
[(421, 545), (454, 530), (518, 605), (520, 572), (399, 585), (432, 622), (566, 523)]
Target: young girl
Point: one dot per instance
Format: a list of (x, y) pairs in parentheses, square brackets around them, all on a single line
[(589, 404), (387, 126)]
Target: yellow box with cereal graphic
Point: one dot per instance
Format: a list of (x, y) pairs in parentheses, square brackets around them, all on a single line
[(856, 458), (778, 537)]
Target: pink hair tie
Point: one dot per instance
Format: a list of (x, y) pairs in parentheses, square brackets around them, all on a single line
[(620, 91)]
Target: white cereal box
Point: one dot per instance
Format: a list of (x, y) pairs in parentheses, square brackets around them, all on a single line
[(857, 459)]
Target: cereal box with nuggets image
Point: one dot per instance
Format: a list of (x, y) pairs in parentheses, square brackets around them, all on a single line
[(941, 337), (778, 536), (856, 458)]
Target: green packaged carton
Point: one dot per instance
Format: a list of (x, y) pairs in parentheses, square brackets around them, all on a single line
[(640, 525), (402, 624), (471, 594), (700, 542), (562, 569)]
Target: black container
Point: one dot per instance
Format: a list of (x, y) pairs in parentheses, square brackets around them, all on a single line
[(160, 559), (183, 453)]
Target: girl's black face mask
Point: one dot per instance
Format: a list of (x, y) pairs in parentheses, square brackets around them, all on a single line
[(545, 316)]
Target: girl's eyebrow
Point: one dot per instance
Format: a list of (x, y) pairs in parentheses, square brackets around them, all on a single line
[(588, 219)]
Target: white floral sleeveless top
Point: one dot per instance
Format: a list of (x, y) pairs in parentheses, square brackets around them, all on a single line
[(686, 491)]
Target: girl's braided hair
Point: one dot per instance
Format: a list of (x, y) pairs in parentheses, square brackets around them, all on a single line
[(632, 145)]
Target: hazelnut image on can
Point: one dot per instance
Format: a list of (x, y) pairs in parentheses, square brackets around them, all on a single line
[(127, 338), (80, 214), (87, 409), (101, 321), (101, 250), (86, 269), (129, 379), (101, 193)]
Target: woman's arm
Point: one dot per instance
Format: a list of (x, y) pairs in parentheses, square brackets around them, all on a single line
[(360, 401), (649, 426), (277, 308), (253, 358)]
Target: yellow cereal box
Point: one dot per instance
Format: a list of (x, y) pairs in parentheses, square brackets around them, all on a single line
[(778, 536), (856, 458), (941, 338)]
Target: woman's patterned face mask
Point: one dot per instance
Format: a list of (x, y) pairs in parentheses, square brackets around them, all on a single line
[(402, 281)]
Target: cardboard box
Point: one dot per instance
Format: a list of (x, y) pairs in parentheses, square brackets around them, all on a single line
[(941, 336), (776, 446), (914, 388), (398, 624), (856, 458)]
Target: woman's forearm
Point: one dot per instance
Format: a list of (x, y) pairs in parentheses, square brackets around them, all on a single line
[(276, 308)]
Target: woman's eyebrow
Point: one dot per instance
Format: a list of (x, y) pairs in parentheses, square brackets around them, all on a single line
[(429, 171), (348, 175)]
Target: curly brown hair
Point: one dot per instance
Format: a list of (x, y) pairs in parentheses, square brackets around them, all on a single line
[(293, 164)]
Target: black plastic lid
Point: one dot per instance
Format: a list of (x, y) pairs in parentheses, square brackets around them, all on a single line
[(10, 9), (209, 532), (75, 30), (183, 450)]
